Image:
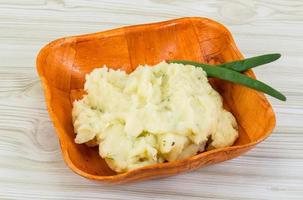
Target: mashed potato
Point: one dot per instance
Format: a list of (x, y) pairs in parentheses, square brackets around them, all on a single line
[(155, 114)]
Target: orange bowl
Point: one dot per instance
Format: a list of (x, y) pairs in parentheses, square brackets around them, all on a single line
[(62, 65)]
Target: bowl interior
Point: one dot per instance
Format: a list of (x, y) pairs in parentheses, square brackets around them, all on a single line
[(63, 64)]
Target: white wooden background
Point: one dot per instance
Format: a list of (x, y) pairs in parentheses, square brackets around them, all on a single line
[(31, 166)]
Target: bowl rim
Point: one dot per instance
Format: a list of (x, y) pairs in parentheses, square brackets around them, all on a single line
[(120, 176)]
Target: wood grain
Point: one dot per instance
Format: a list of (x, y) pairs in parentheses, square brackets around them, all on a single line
[(31, 165)]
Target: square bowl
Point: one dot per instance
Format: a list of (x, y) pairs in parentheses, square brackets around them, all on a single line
[(63, 63)]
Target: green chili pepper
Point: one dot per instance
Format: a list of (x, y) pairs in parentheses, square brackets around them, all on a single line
[(235, 77), (243, 65)]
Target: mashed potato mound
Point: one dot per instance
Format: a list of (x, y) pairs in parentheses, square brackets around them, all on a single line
[(154, 114)]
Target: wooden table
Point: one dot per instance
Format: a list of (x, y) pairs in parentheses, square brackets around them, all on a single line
[(31, 166)]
